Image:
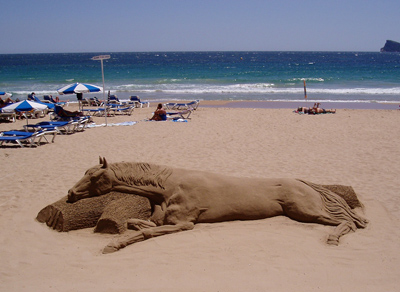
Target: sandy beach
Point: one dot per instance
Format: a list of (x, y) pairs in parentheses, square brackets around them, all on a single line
[(358, 148)]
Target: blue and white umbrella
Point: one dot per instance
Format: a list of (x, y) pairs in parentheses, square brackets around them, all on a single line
[(79, 88), (24, 106)]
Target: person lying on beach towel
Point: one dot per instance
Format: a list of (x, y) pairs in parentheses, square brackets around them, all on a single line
[(314, 110), (317, 110)]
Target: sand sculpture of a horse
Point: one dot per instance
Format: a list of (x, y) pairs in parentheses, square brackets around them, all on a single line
[(181, 198)]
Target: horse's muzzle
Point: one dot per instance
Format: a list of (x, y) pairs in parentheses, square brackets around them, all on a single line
[(72, 196)]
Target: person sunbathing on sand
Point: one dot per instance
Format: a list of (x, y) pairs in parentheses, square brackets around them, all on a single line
[(317, 110), (159, 114), (303, 109), (314, 110)]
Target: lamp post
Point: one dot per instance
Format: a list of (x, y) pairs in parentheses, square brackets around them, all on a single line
[(101, 58)]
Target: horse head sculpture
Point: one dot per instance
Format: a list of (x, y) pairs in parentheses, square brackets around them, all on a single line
[(97, 181)]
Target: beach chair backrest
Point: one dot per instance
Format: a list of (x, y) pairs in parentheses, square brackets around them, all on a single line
[(35, 98), (113, 97), (59, 111)]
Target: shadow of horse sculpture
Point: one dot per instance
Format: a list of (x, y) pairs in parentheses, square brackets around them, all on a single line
[(181, 198)]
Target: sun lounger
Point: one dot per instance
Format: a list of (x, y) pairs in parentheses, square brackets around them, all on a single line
[(95, 111), (62, 114), (184, 114), (22, 137), (61, 127), (82, 123), (29, 138), (93, 101), (50, 99), (124, 110), (113, 99), (34, 98), (79, 119), (193, 105), (85, 102), (135, 100), (8, 116)]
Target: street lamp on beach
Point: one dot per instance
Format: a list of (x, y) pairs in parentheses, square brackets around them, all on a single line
[(101, 58)]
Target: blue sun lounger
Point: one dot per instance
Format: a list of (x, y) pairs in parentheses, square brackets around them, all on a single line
[(95, 111), (113, 99), (135, 100), (36, 99), (60, 127), (21, 137), (124, 110)]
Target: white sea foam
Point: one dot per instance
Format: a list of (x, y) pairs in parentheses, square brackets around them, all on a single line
[(257, 88)]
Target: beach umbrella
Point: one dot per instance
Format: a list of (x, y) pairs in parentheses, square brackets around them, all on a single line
[(79, 89), (5, 95), (24, 106)]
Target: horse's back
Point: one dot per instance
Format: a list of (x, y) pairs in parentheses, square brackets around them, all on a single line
[(224, 198)]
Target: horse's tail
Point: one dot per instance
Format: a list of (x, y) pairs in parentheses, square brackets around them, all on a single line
[(337, 207)]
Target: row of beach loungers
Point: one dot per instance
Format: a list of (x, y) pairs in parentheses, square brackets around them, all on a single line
[(115, 106), (113, 100), (61, 123), (33, 134)]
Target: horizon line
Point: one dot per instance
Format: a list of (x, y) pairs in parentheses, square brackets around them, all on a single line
[(197, 51)]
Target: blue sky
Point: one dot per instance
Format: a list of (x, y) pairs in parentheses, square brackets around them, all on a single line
[(52, 26)]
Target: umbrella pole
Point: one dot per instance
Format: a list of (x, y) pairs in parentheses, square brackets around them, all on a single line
[(104, 89)]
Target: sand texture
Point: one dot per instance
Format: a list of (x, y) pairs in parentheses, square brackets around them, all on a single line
[(357, 148)]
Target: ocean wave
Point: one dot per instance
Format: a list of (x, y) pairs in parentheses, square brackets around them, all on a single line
[(257, 88), (306, 79)]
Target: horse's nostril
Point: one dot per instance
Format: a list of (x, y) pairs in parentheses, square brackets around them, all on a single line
[(71, 196)]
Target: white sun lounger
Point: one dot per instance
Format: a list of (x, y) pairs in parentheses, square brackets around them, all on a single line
[(193, 105)]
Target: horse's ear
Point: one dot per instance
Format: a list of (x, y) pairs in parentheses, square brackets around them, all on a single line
[(100, 160), (105, 164)]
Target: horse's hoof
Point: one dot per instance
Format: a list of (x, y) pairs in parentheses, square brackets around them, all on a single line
[(333, 240), (109, 249)]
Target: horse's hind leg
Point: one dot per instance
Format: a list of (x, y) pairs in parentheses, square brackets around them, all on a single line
[(306, 205), (321, 217)]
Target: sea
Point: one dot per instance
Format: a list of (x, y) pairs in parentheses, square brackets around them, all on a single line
[(357, 77)]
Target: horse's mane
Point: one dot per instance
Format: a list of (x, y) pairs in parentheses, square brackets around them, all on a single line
[(141, 174)]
